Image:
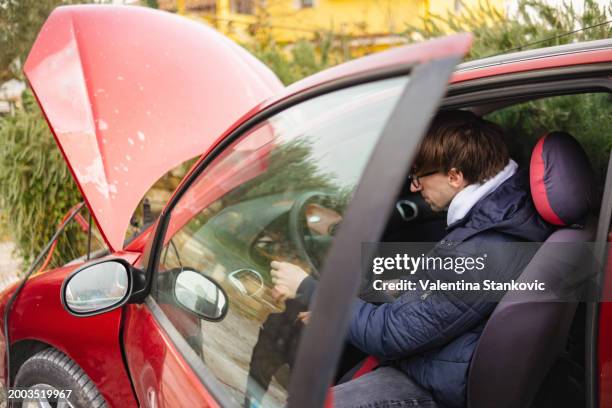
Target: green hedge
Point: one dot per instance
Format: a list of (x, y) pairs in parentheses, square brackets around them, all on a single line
[(535, 22), (36, 187), (303, 58)]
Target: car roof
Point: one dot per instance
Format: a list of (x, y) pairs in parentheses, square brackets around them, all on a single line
[(598, 51), (546, 52), (393, 58)]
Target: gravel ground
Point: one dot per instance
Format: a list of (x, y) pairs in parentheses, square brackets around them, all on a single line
[(9, 265), (9, 268)]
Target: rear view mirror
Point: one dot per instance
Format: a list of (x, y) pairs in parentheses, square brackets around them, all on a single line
[(97, 288), (200, 295)]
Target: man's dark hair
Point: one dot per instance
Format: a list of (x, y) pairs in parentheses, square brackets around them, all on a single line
[(460, 139)]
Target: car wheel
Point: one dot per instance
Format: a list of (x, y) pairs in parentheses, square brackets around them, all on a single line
[(52, 370)]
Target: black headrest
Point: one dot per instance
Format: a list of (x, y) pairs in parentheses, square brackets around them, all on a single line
[(561, 178)]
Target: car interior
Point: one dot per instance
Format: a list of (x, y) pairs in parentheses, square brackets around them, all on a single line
[(536, 349)]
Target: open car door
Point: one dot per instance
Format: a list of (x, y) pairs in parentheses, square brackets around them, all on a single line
[(247, 202), (365, 220)]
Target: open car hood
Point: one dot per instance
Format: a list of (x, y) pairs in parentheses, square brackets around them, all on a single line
[(131, 92)]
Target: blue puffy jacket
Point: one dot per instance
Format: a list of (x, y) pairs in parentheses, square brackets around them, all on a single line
[(431, 336)]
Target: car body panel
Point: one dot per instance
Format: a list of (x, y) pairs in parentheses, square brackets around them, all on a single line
[(604, 348), (160, 375), (138, 243), (93, 342), (130, 103)]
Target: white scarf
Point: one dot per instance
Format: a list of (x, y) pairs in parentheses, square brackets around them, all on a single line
[(463, 202)]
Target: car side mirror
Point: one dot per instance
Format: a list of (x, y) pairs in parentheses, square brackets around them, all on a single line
[(200, 295), (98, 287)]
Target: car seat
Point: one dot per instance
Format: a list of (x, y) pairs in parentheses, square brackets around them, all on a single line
[(525, 334)]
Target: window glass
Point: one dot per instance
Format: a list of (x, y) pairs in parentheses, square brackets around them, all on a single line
[(277, 193), (587, 117), (153, 202)]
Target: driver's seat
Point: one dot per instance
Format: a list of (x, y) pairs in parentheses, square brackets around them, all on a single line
[(523, 337)]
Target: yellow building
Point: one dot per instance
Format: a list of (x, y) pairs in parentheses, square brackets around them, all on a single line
[(368, 24)]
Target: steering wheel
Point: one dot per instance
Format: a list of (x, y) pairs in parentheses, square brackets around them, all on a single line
[(296, 228)]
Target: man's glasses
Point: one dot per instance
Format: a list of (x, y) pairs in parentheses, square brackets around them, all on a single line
[(414, 179)]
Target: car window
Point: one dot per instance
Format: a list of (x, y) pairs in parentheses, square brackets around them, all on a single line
[(587, 117), (277, 193), (150, 206)]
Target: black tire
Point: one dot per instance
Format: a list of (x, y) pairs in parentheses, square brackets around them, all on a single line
[(54, 368)]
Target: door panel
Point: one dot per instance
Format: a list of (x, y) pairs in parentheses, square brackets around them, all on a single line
[(161, 376), (599, 330), (277, 192), (605, 337)]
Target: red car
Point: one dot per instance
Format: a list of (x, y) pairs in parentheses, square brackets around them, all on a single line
[(184, 313)]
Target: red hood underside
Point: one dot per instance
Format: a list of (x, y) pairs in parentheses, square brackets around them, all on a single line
[(130, 93)]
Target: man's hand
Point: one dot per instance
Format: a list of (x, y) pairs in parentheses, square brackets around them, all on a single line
[(286, 278), (304, 317)]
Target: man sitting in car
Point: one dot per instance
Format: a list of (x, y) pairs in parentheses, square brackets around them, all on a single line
[(426, 339)]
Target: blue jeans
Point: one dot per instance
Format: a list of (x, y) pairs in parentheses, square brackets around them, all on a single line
[(385, 387)]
